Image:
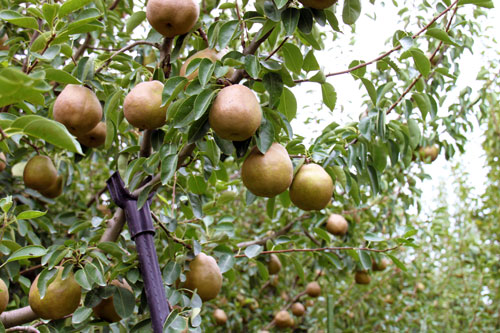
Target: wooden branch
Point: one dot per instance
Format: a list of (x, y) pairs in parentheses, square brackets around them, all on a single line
[(122, 50), (18, 317), (281, 232), (81, 50), (114, 5), (29, 329)]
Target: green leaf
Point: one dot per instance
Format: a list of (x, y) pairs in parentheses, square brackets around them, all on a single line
[(197, 184), (70, 6), (371, 237), (329, 95), (80, 315), (252, 66), (441, 35), (293, 57), (168, 167), (45, 279), (290, 18), (299, 268), (414, 133), (226, 33), (306, 21), (351, 11), (112, 248), (30, 214), (171, 272), (205, 71), (124, 302), (172, 88), (94, 274), (273, 83), (423, 103), (379, 155), (18, 19), (202, 102), (288, 104), (421, 62), (479, 3), (134, 20), (82, 279), (397, 262), (253, 250), (310, 62), (370, 89), (60, 76), (184, 115), (226, 262), (265, 137), (366, 260), (28, 252)]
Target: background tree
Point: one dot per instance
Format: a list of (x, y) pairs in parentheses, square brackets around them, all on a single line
[(162, 143)]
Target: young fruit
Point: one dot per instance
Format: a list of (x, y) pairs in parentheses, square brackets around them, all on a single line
[(312, 188), (362, 277), (235, 114), (313, 289), (298, 309), (269, 174), (40, 173), (3, 162), (428, 154), (62, 297), (208, 53), (172, 17), (274, 265), (282, 319), (106, 309), (381, 265), (142, 106), (4, 296), (220, 316), (95, 137), (317, 4), (337, 225), (78, 109), (204, 275), (3, 39), (54, 190)]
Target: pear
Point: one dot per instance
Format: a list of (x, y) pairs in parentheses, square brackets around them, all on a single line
[(313, 289), (420, 286), (172, 17), (298, 309), (62, 297), (95, 137), (39, 173), (204, 275), (318, 4), (142, 106), (3, 39), (336, 225), (362, 277), (55, 189), (105, 310), (274, 265), (381, 265), (268, 174), (220, 316), (3, 162), (282, 319), (77, 108), (235, 114), (428, 154), (208, 53), (312, 188), (4, 296)]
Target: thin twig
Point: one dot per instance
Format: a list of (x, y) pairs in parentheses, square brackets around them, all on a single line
[(278, 48), (114, 4), (282, 231), (203, 35), (122, 50)]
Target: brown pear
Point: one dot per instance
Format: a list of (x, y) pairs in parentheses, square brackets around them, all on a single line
[(172, 17), (362, 277), (39, 173), (220, 316), (4, 296), (298, 309), (95, 137), (235, 114), (274, 264), (3, 39), (106, 309), (208, 53), (312, 188), (313, 289), (428, 154), (318, 4), (62, 297), (269, 174), (282, 319), (337, 225), (142, 106), (55, 189), (204, 275), (381, 265), (3, 162), (77, 108)]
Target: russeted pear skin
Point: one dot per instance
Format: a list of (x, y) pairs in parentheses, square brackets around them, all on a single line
[(77, 108), (205, 276), (172, 17), (55, 189), (95, 137), (298, 309), (313, 289), (142, 106), (3, 162), (4, 296), (429, 153), (39, 173), (337, 225), (3, 39), (269, 174), (312, 188), (235, 114), (381, 265), (282, 319), (106, 309), (362, 277), (317, 4), (220, 316), (62, 297), (274, 265)]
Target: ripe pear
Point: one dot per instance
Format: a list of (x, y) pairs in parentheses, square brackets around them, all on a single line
[(420, 286), (269, 174), (274, 265), (362, 277), (3, 162), (3, 39), (4, 296), (313, 289), (337, 225), (142, 106), (282, 319), (39, 173), (205, 276), (62, 297), (172, 17), (298, 309), (318, 4), (381, 265), (106, 309), (312, 188), (208, 53), (95, 137), (429, 153), (235, 114), (55, 189), (77, 108), (220, 316)]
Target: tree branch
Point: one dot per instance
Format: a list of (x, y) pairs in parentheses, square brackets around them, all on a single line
[(29, 329), (323, 249), (281, 232), (18, 317), (122, 50)]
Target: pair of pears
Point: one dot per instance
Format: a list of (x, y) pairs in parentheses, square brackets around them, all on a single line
[(41, 175)]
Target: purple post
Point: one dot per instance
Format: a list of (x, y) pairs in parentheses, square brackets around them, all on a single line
[(142, 231)]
